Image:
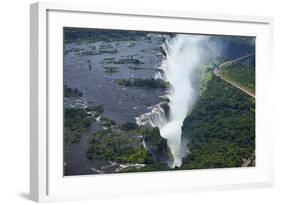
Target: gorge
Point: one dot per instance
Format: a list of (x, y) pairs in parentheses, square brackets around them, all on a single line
[(180, 68), (143, 101)]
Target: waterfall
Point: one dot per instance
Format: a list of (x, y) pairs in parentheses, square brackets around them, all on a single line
[(183, 55), (158, 117)]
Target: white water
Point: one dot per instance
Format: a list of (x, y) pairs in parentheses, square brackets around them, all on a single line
[(184, 53), (155, 118)]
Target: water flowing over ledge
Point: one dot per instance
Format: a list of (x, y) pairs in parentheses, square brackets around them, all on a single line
[(183, 54)]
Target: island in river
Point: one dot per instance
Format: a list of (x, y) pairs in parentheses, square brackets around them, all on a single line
[(119, 97)]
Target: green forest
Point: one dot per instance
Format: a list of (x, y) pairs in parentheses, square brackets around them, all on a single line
[(243, 73), (75, 122), (112, 118), (220, 129)]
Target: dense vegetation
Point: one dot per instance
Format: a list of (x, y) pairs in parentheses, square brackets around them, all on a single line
[(128, 61), (107, 122), (158, 153), (110, 145), (110, 69), (70, 92), (98, 109), (144, 83), (93, 35), (136, 68), (157, 145), (242, 72), (107, 51), (129, 126), (220, 129), (126, 146), (75, 122)]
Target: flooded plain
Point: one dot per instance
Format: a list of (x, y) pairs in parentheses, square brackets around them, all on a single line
[(86, 68)]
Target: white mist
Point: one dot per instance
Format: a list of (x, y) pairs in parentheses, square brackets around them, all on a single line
[(183, 55)]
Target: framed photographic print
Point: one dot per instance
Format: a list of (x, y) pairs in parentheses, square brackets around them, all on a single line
[(127, 102)]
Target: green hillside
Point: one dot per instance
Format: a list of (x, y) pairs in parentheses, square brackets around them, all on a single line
[(243, 73), (220, 129)]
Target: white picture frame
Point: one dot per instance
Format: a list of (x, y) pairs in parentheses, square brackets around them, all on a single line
[(47, 182)]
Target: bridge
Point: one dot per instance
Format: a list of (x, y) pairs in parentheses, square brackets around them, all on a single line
[(216, 72)]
